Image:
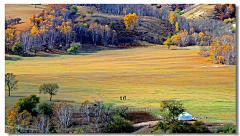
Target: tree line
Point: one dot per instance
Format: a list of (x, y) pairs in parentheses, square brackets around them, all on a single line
[(53, 29)]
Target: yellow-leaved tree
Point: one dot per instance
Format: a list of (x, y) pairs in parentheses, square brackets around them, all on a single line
[(34, 30), (201, 36), (177, 27), (14, 118), (175, 39), (171, 17), (131, 21)]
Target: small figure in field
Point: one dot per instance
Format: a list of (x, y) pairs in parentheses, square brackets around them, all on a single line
[(123, 97), (120, 97)]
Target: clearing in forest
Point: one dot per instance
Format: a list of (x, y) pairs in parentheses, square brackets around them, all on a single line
[(145, 75)]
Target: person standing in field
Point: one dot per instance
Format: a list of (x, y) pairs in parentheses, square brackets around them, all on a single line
[(120, 97)]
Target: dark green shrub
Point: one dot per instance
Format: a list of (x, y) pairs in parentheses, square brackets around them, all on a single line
[(17, 47), (180, 127), (232, 129), (122, 111), (28, 103), (199, 127), (185, 127), (120, 126), (46, 108), (113, 25), (162, 125), (74, 7), (234, 30), (73, 11), (225, 128)]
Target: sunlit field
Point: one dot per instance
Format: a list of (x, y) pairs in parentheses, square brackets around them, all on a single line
[(145, 75)]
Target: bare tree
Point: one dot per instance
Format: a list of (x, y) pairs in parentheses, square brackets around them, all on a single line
[(62, 115), (42, 123), (100, 114)]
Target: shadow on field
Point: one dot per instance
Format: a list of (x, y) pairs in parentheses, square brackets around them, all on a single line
[(61, 100), (17, 96), (179, 49), (12, 58), (42, 55)]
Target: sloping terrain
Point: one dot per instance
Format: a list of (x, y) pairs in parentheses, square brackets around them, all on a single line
[(201, 11), (150, 29), (23, 11)]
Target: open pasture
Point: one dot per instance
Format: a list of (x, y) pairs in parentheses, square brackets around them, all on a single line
[(145, 75)]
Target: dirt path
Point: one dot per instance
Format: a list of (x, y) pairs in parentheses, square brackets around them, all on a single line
[(144, 125)]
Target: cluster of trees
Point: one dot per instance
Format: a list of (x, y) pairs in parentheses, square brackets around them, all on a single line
[(10, 21), (215, 27), (102, 35), (53, 30), (58, 117), (170, 109), (223, 50), (225, 11)]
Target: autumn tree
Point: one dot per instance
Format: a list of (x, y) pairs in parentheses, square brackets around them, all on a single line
[(170, 109), (168, 42), (28, 103), (130, 21), (25, 120), (195, 37), (62, 115), (74, 47), (184, 38), (17, 47), (177, 27), (10, 82), (176, 39), (34, 30), (201, 36), (171, 17), (18, 121), (49, 88), (223, 50), (14, 118)]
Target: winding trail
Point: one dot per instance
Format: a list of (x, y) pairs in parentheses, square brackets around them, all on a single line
[(143, 125)]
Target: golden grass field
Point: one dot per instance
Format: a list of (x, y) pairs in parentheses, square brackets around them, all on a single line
[(23, 11), (145, 75)]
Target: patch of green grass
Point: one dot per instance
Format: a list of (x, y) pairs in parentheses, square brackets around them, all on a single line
[(145, 75)]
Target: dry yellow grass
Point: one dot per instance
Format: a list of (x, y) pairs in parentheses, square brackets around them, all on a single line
[(145, 75), (202, 11)]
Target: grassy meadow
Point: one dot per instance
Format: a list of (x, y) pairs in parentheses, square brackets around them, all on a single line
[(145, 75)]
